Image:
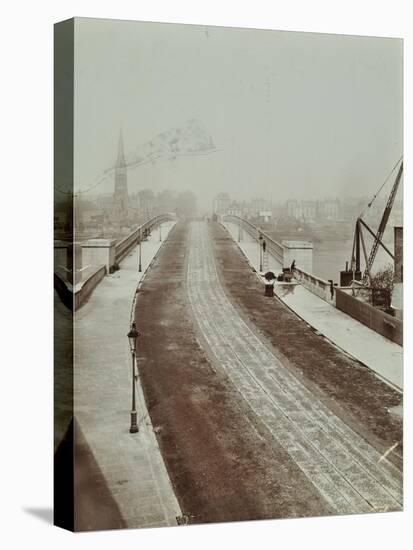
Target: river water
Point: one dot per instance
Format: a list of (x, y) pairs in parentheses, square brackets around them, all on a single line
[(329, 258)]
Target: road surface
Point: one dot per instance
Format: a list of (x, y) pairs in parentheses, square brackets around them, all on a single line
[(245, 432), (347, 471)]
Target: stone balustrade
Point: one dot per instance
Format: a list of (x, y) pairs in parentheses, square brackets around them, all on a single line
[(79, 266)]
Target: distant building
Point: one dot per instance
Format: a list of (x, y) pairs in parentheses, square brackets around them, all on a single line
[(221, 204), (264, 216), (86, 213), (291, 208), (235, 209), (259, 205), (91, 216), (104, 201), (302, 210), (120, 211), (329, 209), (309, 210)]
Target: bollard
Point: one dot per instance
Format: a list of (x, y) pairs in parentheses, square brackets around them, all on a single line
[(269, 279), (269, 289)]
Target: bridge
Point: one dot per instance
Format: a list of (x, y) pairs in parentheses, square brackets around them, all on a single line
[(284, 254), (301, 253), (80, 266), (248, 406)]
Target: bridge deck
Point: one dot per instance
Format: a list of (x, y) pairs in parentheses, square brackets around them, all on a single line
[(375, 351), (305, 398), (343, 467), (255, 415)]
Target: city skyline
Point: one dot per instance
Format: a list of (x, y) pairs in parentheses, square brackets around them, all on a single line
[(291, 113)]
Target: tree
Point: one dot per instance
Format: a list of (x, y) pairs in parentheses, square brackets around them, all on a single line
[(146, 202), (384, 278), (166, 200), (146, 196)]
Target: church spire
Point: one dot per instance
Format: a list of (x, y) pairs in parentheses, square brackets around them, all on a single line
[(120, 195), (121, 156)]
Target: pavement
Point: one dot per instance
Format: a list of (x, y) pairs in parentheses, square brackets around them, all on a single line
[(129, 466), (381, 355)]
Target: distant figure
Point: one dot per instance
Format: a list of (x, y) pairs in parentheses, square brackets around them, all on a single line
[(331, 288), (292, 266)]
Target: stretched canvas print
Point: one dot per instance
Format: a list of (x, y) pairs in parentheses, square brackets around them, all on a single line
[(228, 274)]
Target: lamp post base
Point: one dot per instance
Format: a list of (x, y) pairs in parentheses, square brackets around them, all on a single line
[(133, 423)]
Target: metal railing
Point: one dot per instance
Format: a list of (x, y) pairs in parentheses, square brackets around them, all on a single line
[(314, 284), (123, 247), (274, 248)]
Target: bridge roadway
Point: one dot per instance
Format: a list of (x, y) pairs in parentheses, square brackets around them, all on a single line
[(381, 355), (346, 470)]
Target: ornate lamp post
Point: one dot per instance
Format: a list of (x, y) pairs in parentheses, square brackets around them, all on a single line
[(140, 250), (133, 335), (260, 240)]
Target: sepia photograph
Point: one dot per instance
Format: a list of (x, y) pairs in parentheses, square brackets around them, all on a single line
[(228, 274)]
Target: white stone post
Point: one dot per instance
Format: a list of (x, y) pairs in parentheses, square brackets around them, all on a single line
[(98, 252)]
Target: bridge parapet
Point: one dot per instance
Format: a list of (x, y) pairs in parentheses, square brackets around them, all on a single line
[(379, 321), (273, 247), (123, 247), (299, 252), (99, 252), (68, 261), (286, 253), (314, 284), (79, 267)]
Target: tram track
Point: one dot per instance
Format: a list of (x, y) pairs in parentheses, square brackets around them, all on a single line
[(346, 470)]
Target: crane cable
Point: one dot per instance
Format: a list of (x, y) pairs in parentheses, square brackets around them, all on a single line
[(381, 187), (135, 164)]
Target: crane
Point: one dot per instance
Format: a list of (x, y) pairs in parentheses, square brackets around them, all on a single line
[(378, 236), (382, 227)]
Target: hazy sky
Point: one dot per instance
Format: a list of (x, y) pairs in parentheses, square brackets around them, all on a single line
[(294, 115)]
